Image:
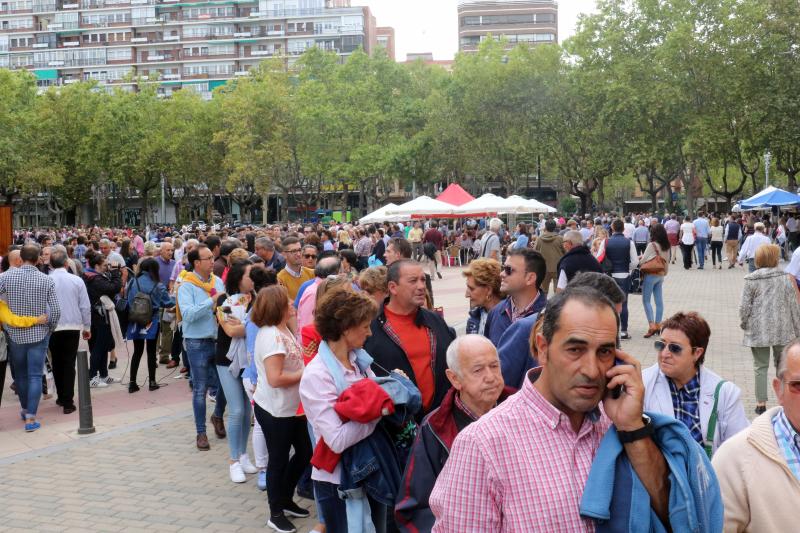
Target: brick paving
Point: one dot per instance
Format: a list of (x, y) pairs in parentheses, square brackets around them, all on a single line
[(141, 472)]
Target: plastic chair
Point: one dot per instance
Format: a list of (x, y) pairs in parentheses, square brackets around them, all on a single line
[(454, 255)]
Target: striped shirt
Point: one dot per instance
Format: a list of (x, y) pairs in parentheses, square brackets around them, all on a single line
[(687, 407), (520, 467), (788, 442)]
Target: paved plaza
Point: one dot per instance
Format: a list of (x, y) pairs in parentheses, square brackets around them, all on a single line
[(142, 472)]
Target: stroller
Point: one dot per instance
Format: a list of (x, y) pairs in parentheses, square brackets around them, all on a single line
[(636, 281)]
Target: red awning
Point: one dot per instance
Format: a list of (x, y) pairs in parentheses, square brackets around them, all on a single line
[(454, 194)]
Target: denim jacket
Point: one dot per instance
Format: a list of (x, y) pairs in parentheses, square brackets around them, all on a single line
[(374, 465)]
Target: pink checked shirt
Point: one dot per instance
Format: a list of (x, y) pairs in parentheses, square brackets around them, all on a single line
[(520, 468)]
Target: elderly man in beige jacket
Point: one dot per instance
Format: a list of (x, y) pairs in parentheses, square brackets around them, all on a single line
[(759, 469)]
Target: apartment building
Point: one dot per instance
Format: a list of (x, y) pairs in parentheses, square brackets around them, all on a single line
[(385, 39), (197, 45), (518, 21)]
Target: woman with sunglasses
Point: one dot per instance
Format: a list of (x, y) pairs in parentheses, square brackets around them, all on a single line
[(679, 385)]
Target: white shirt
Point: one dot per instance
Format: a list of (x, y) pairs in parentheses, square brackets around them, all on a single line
[(280, 402), (688, 233), (751, 244), (791, 225), (629, 229), (794, 265)]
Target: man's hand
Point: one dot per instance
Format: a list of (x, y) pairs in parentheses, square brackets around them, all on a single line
[(87, 334), (41, 319), (625, 411)]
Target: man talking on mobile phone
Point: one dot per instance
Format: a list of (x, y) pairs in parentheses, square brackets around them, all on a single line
[(564, 455)]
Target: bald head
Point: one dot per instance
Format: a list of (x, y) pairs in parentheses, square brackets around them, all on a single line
[(327, 266)]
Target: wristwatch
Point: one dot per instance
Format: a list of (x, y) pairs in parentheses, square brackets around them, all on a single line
[(626, 437)]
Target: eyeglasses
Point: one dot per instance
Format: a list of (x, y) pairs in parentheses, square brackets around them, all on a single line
[(794, 385), (674, 348), (296, 251), (206, 258), (309, 256), (508, 270)]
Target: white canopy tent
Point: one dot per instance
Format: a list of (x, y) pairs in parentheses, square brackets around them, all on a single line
[(422, 206), (520, 206), (487, 204), (380, 215)]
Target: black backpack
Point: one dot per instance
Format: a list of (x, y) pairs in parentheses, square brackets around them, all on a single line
[(140, 309)]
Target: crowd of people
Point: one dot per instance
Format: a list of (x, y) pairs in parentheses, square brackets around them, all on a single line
[(324, 354)]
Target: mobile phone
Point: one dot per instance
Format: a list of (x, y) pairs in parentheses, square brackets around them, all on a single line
[(616, 392)]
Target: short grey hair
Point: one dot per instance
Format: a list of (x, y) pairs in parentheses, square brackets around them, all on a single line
[(575, 237), (782, 364), (265, 243), (495, 224), (58, 257), (104, 242), (759, 226), (454, 350)]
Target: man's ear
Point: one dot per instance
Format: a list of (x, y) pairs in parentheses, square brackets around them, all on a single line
[(451, 376), (541, 347)]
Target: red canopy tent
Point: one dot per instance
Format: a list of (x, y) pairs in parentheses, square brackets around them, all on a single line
[(454, 194)]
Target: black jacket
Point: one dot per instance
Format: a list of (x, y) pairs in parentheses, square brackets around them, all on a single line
[(390, 355), (578, 259)]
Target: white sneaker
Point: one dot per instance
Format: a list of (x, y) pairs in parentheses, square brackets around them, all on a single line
[(237, 475), (109, 380), (98, 383), (247, 466), (211, 398)]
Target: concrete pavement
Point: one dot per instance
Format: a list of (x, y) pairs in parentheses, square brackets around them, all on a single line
[(141, 470)]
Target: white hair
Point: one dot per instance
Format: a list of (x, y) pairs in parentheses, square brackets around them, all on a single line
[(575, 237), (495, 224), (454, 350)]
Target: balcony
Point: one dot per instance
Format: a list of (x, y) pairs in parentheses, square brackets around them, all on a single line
[(70, 6)]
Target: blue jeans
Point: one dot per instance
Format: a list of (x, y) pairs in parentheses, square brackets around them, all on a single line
[(28, 363), (238, 412), (652, 287), (216, 390), (625, 285), (701, 243), (200, 353), (334, 509)]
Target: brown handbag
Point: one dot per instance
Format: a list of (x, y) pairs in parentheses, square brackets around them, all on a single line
[(656, 266)]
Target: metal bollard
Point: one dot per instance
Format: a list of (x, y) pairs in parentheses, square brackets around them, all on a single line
[(86, 424)]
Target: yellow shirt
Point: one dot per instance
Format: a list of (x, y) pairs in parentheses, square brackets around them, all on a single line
[(415, 235), (7, 317), (292, 283)]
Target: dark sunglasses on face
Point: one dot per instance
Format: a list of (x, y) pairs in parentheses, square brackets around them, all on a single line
[(508, 270), (674, 348), (309, 256)]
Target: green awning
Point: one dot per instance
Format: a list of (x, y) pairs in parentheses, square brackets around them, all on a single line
[(247, 40), (213, 84), (69, 32), (49, 74)]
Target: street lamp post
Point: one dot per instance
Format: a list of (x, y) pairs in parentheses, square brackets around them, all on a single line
[(767, 160)]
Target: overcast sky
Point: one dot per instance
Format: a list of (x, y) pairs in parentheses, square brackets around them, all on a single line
[(432, 25)]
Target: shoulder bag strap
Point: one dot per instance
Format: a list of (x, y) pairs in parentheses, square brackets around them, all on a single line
[(712, 420)]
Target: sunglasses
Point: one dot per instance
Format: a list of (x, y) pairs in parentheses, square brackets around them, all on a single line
[(794, 386), (309, 256), (508, 270), (674, 349)]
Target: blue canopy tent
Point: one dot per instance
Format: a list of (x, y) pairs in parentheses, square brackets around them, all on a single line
[(770, 197)]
